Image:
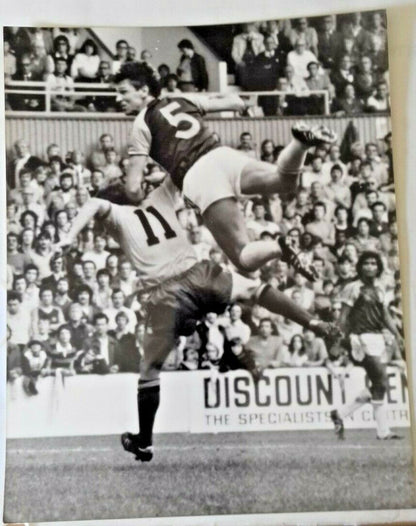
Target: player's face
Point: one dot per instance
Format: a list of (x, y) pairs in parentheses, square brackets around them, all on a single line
[(130, 99), (370, 268)]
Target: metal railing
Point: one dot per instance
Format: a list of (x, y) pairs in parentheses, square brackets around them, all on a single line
[(81, 90)]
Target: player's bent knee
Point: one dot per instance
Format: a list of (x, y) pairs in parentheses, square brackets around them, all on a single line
[(149, 370)]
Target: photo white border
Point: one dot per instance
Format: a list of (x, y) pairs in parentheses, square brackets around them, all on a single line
[(402, 52)]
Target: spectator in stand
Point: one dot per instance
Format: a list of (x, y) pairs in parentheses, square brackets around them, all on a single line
[(380, 102), (379, 225), (18, 320), (18, 39), (61, 50), (307, 296), (171, 85), (64, 194), (192, 71), (47, 310), (145, 57), (9, 61), (131, 54), (266, 69), (14, 359), (296, 355), (128, 357), (41, 63), (315, 349), (267, 151), (246, 145), (211, 334), (62, 299), (121, 56), (80, 330), (327, 41), (103, 103), (111, 168), (266, 347), (317, 80), (334, 158), (102, 295), (97, 159), (201, 248), (259, 223), (190, 360), (379, 168), (363, 240), (85, 64), (103, 344), (237, 328), (297, 89), (57, 272), (43, 37), (27, 236), (61, 82), (163, 71), (118, 300), (29, 102), (365, 79), (377, 36), (319, 226), (126, 279), (341, 75), (301, 31), (346, 274), (84, 295), (90, 361), (341, 221), (300, 57), (347, 103), (20, 286), (246, 46), (312, 173), (62, 224), (62, 355), (34, 364), (29, 204), (72, 35), (317, 195), (350, 40), (98, 181), (336, 191)]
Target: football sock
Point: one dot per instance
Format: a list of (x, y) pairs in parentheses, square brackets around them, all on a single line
[(279, 303), (148, 397), (363, 398), (380, 416), (291, 158), (257, 253)]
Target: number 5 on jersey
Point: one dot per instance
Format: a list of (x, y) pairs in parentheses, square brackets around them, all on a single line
[(152, 238), (178, 118)]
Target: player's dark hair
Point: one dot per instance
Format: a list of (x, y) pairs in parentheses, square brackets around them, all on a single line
[(139, 74), (369, 254)]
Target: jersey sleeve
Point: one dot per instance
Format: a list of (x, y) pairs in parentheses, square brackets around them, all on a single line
[(350, 293), (141, 137)]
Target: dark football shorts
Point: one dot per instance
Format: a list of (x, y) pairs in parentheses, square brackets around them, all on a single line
[(179, 303)]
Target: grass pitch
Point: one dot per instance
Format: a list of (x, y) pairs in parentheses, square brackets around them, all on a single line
[(269, 472)]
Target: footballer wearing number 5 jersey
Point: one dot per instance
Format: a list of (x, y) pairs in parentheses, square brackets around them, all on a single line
[(182, 290), (212, 177)]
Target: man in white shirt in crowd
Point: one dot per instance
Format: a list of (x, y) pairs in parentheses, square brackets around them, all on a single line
[(300, 57), (259, 224), (118, 298), (126, 279), (237, 328)]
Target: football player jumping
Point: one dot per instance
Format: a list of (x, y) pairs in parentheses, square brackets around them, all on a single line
[(212, 177), (182, 290)]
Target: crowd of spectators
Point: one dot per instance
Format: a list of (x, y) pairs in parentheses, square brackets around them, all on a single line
[(63, 57), (84, 312), (343, 55)]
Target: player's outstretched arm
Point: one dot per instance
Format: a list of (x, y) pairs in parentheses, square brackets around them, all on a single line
[(223, 102), (135, 177), (92, 208)]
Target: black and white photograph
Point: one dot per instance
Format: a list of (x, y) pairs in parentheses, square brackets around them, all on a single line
[(204, 295)]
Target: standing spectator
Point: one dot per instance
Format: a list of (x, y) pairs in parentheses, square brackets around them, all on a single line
[(57, 272), (128, 357), (18, 320), (121, 56), (61, 196), (80, 331), (163, 71), (104, 103), (15, 258), (350, 40), (62, 355), (379, 225), (47, 310), (363, 240), (246, 46), (41, 63), (307, 296), (111, 168), (85, 64), (106, 346), (315, 349), (341, 75), (365, 79), (267, 69), (302, 31), (61, 50), (246, 145), (259, 224), (265, 346), (82, 176), (102, 295), (334, 158), (237, 328), (61, 82), (83, 296), (319, 226), (9, 61), (97, 159), (118, 299), (33, 365), (62, 299), (336, 191), (380, 102), (171, 88), (192, 71), (327, 41), (347, 103), (127, 279), (43, 254), (300, 57), (267, 151)]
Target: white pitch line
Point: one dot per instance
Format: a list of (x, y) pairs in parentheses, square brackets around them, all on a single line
[(205, 447)]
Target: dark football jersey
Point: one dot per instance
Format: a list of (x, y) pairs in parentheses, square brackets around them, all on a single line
[(172, 132), (367, 307)]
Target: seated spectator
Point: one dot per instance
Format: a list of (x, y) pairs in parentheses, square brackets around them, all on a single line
[(61, 50), (192, 72), (315, 349), (120, 56), (266, 347), (365, 79), (190, 360), (267, 151), (171, 86), (334, 157), (211, 357), (317, 80), (300, 205), (102, 103), (297, 89), (363, 240), (296, 355), (246, 145), (379, 167), (97, 158), (79, 328), (85, 64), (300, 57), (319, 226), (34, 364), (62, 224), (237, 328), (246, 45), (236, 356), (259, 223), (62, 354), (301, 31), (341, 75), (347, 103), (98, 255), (43, 254), (327, 42), (29, 102), (60, 82), (128, 357), (118, 299), (111, 168), (41, 63), (98, 181), (58, 198), (341, 221), (380, 102)]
